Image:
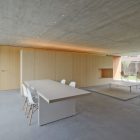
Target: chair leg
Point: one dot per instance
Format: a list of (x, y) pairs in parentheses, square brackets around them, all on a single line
[(35, 109), (26, 108), (28, 112), (31, 113), (25, 101)]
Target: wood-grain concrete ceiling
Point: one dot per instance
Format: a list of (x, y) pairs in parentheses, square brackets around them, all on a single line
[(109, 26)]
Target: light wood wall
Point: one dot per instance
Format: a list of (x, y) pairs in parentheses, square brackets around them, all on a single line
[(116, 67), (44, 64), (9, 68), (64, 65), (56, 65)]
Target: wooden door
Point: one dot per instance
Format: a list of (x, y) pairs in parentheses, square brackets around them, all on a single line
[(9, 68)]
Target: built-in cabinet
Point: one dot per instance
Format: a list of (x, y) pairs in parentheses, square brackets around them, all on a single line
[(20, 64), (56, 65), (64, 65), (44, 64), (9, 68)]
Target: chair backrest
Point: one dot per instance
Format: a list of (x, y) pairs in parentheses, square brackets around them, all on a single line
[(72, 84), (63, 81), (30, 98), (24, 89)]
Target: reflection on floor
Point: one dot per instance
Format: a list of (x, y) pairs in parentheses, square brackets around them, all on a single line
[(118, 92), (99, 118)]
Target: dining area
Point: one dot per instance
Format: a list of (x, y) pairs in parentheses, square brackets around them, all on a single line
[(62, 76), (52, 99), (96, 115)]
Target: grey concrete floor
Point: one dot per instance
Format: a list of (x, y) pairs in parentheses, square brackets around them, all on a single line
[(99, 118), (119, 92)]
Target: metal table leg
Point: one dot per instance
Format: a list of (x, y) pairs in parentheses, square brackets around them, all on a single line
[(130, 89)]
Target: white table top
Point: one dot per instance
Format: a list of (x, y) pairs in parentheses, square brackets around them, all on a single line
[(124, 83), (53, 91)]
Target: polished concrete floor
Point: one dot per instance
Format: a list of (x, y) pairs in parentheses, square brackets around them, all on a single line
[(99, 118), (118, 92)]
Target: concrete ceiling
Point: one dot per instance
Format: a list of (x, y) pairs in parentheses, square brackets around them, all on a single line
[(110, 26)]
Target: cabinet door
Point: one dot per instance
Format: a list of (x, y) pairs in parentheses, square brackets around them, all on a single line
[(80, 69), (64, 66), (44, 64), (9, 68)]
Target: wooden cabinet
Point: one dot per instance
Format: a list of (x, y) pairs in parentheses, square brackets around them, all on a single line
[(56, 65), (44, 64), (80, 69), (64, 62), (9, 68)]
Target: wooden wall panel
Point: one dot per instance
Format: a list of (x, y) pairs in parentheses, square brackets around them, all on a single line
[(14, 68), (44, 64), (83, 82), (102, 62), (64, 61), (116, 67), (76, 68), (80, 67), (27, 64), (9, 68), (4, 67), (90, 70)]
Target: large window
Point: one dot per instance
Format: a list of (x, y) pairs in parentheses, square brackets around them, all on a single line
[(131, 67)]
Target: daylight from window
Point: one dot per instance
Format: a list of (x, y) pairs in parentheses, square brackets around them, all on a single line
[(130, 68)]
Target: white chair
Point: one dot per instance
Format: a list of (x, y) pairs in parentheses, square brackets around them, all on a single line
[(72, 84), (63, 81), (24, 90), (33, 105)]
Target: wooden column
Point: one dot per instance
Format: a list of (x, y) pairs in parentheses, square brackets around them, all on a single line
[(116, 67)]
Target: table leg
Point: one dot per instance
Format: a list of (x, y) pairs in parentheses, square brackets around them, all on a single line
[(48, 113)]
